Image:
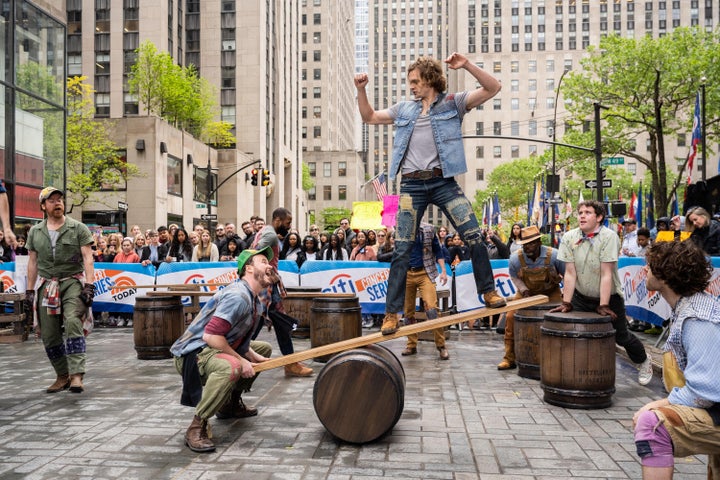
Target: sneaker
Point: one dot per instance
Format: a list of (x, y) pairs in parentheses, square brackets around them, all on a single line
[(390, 324), (645, 372), (129, 323), (653, 331), (120, 322), (367, 323), (493, 300)]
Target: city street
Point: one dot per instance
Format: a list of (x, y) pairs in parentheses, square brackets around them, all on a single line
[(463, 419)]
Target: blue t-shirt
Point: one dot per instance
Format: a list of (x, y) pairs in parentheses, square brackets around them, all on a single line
[(237, 305)]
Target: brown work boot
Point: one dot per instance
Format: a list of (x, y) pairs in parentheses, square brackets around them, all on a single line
[(196, 436), (493, 300), (236, 408), (76, 385), (444, 355), (61, 383), (297, 369), (390, 324), (508, 361)]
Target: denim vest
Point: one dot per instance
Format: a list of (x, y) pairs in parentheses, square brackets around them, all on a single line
[(445, 121)]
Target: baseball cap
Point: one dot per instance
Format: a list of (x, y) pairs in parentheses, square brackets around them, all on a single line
[(629, 220), (47, 191), (248, 253)]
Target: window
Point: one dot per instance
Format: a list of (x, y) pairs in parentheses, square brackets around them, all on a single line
[(342, 169), (497, 151), (317, 38), (316, 73), (479, 128), (342, 192), (515, 151), (497, 128), (497, 104), (312, 168), (532, 127), (327, 192), (514, 85), (316, 92), (312, 194), (515, 128), (174, 175), (515, 103), (327, 169), (317, 55), (317, 131), (682, 140), (532, 66), (479, 152), (316, 111), (480, 174), (316, 19), (632, 167)]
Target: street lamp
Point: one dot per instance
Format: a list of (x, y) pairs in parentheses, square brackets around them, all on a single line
[(702, 101), (554, 183)]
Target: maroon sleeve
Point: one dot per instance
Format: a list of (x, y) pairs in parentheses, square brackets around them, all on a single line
[(217, 326)]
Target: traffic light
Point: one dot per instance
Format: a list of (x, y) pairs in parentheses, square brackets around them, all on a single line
[(254, 179), (265, 177)]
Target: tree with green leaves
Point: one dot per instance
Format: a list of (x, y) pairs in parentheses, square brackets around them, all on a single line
[(647, 86), (174, 93), (307, 182), (93, 159), (330, 217)]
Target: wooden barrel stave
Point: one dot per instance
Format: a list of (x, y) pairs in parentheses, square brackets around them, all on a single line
[(157, 323), (360, 394)]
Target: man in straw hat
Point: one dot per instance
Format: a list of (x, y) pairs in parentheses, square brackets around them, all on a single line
[(534, 270), (215, 355)]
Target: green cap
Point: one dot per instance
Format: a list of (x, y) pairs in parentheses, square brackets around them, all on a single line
[(247, 254)]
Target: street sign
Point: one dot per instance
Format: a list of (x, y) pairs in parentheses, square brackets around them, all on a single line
[(612, 161), (556, 200), (593, 183), (604, 172), (208, 216), (122, 206)]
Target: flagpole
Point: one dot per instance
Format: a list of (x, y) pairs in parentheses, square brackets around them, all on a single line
[(702, 127)]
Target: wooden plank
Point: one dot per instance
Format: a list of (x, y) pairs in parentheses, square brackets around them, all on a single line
[(173, 285), (11, 317), (11, 297), (6, 339), (402, 332), (178, 293)]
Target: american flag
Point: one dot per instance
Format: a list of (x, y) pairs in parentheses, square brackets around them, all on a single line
[(380, 186), (696, 136)]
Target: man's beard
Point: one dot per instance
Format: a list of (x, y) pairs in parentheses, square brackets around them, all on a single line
[(282, 230)]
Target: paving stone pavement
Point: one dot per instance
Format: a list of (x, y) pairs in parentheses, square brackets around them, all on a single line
[(463, 419)]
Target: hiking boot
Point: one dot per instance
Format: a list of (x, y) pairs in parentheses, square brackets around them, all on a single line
[(196, 436), (390, 324), (493, 300), (61, 383), (297, 369), (236, 408)]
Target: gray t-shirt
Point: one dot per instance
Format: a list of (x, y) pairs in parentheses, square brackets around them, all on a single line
[(422, 152)]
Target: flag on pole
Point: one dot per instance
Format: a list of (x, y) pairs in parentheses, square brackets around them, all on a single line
[(580, 198), (530, 206), (639, 206), (674, 205), (633, 207), (486, 213), (568, 208), (696, 136), (536, 207), (497, 219), (650, 220), (380, 186)]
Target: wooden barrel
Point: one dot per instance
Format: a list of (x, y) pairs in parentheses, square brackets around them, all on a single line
[(527, 342), (157, 323), (527, 339), (334, 319), (360, 394), (577, 367), (297, 304)]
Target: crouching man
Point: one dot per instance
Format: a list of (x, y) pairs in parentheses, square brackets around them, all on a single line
[(687, 421), (215, 355)]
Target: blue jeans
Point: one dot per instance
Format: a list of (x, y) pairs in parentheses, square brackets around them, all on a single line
[(446, 194)]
